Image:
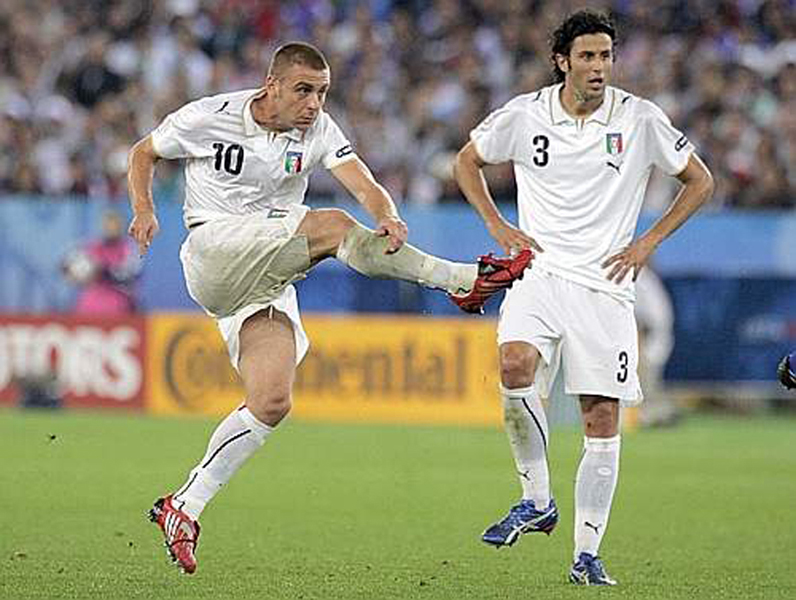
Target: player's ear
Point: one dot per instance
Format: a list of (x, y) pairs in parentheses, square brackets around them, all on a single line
[(563, 62), (271, 84)]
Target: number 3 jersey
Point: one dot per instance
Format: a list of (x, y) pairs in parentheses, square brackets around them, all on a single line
[(581, 183), (234, 166)]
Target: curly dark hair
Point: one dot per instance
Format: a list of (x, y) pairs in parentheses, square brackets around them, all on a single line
[(579, 23)]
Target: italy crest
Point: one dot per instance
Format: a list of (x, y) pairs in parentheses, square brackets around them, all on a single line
[(293, 162), (613, 143)]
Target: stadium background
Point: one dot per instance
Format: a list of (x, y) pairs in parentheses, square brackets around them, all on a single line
[(81, 80)]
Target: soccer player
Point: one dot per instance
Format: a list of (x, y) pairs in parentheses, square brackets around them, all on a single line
[(582, 153), (248, 156)]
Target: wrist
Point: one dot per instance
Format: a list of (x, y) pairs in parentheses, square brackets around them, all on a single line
[(654, 238), (493, 221)]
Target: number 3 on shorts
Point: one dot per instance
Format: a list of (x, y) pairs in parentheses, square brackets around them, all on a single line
[(621, 374)]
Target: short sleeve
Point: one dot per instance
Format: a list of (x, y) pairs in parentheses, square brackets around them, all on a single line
[(183, 133), (336, 149), (495, 138), (668, 148)]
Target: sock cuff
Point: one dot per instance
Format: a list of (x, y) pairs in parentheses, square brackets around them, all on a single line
[(596, 444), (259, 428), (519, 393)]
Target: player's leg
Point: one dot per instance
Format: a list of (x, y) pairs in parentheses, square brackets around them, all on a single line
[(524, 338), (600, 366), (334, 233), (526, 427), (595, 484), (525, 419), (267, 367)]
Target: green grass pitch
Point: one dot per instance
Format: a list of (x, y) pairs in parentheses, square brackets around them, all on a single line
[(703, 511)]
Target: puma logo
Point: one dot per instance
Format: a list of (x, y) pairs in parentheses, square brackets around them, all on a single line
[(223, 106), (610, 164), (595, 527)]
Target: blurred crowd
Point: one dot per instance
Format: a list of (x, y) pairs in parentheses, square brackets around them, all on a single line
[(81, 80)]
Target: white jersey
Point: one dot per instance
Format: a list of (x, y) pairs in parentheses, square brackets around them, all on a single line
[(581, 184), (234, 166)]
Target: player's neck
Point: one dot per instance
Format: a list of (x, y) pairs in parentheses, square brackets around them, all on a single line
[(576, 104), (266, 116)]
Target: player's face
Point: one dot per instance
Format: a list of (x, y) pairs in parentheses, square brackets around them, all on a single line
[(299, 94), (589, 64)]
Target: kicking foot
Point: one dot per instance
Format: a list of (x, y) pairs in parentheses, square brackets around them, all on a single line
[(494, 274)]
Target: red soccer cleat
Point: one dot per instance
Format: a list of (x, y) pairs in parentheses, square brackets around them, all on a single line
[(494, 274), (180, 530)]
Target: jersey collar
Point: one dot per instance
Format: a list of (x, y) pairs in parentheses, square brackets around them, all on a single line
[(251, 127), (602, 115)]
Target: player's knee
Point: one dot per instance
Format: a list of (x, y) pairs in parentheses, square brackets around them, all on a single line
[(270, 408), (601, 419), (516, 368), (326, 228)]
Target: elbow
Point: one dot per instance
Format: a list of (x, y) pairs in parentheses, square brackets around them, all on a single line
[(463, 163), (457, 165), (141, 150), (708, 185)]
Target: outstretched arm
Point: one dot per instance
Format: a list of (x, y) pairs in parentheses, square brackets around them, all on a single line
[(469, 175), (697, 189), (359, 181), (140, 169)]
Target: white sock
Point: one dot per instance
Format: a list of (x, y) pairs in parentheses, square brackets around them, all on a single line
[(235, 439), (526, 426), (594, 490), (363, 251)]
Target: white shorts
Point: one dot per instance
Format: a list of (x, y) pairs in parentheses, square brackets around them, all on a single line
[(593, 333), (236, 266)]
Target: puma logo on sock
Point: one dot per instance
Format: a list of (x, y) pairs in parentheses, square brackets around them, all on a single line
[(595, 527)]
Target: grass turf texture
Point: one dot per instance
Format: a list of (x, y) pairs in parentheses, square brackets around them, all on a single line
[(330, 511)]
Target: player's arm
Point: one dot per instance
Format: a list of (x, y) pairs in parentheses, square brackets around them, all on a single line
[(469, 174), (140, 169), (696, 190), (356, 177)]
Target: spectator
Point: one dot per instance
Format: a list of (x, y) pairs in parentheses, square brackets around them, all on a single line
[(411, 76), (106, 270)]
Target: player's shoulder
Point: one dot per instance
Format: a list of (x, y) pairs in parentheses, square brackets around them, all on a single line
[(325, 125), (525, 106), (635, 107), (530, 103), (225, 103)]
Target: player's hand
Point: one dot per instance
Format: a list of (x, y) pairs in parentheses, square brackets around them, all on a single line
[(633, 258), (785, 371), (396, 230), (143, 228), (511, 239)]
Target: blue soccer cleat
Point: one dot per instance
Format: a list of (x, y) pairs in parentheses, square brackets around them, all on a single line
[(589, 570), (522, 518)]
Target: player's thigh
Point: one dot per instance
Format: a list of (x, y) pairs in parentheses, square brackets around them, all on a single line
[(325, 229), (236, 261), (600, 348), (267, 363), (529, 331)]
